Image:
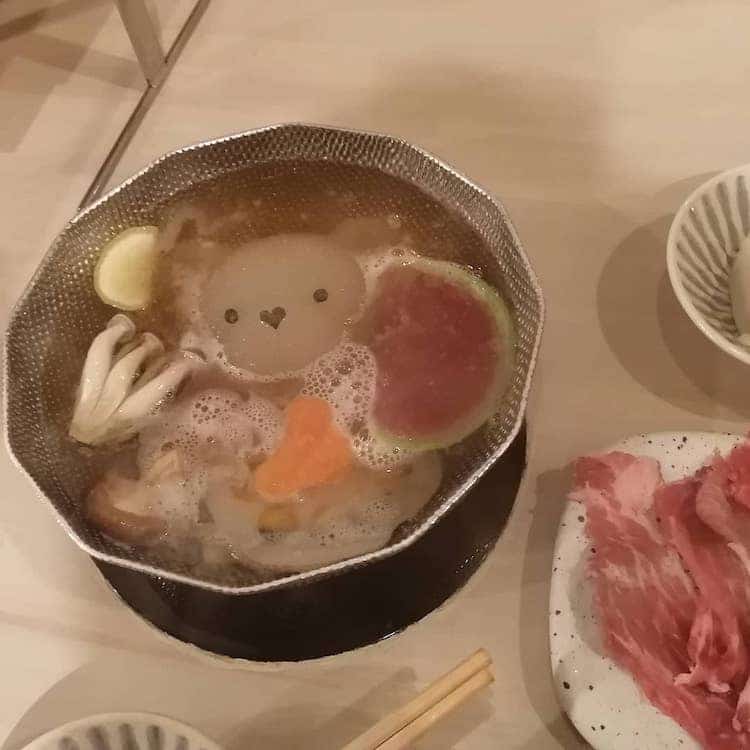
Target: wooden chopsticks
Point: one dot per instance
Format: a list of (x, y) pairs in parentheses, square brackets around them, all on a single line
[(403, 726)]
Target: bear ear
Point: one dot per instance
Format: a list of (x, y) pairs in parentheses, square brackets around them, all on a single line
[(367, 233)]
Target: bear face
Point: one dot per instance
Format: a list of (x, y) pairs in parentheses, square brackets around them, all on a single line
[(278, 303)]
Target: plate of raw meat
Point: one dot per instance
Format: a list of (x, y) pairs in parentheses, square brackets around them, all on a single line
[(650, 594)]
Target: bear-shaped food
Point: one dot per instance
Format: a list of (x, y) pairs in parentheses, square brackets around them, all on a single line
[(279, 303)]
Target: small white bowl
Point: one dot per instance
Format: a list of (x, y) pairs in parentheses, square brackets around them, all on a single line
[(123, 731), (704, 238)]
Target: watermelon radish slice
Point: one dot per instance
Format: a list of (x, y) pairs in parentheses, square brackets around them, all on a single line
[(443, 342)]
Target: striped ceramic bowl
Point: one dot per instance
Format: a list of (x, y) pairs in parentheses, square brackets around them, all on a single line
[(703, 240), (123, 731)]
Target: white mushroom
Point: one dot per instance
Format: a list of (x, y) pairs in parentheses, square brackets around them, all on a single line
[(148, 398), (98, 362), (123, 374), (152, 370), (119, 390)]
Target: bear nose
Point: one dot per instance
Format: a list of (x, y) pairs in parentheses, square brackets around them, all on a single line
[(273, 317)]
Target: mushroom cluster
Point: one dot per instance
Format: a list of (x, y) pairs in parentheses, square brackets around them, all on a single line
[(125, 379)]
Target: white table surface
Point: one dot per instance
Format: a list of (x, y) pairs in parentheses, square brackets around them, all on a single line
[(591, 120)]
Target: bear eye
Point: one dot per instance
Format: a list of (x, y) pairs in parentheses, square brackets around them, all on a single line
[(231, 315), (320, 295)]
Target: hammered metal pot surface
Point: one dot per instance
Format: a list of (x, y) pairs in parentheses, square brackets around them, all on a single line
[(296, 168)]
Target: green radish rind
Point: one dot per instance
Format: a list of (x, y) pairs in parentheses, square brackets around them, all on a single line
[(133, 249), (506, 337)]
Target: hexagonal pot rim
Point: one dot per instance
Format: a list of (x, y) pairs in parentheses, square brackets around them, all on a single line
[(291, 579)]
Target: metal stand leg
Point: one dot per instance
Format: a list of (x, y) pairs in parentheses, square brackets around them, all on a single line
[(140, 27), (155, 66)]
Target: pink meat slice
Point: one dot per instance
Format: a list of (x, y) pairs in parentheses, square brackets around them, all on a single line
[(717, 642), (722, 502), (436, 347), (654, 621)]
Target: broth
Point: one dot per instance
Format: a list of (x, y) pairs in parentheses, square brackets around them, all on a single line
[(340, 354)]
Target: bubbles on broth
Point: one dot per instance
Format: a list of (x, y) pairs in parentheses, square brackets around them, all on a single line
[(345, 378), (211, 423), (203, 443), (361, 513)]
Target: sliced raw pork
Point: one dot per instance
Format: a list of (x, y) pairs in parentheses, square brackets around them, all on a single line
[(684, 646), (719, 659)]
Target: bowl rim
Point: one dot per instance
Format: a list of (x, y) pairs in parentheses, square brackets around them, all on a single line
[(289, 579), (675, 275), (134, 717)]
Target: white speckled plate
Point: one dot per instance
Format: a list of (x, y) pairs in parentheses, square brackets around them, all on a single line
[(602, 700), (123, 731)]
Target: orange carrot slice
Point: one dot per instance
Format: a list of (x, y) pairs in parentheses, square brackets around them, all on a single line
[(312, 452)]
